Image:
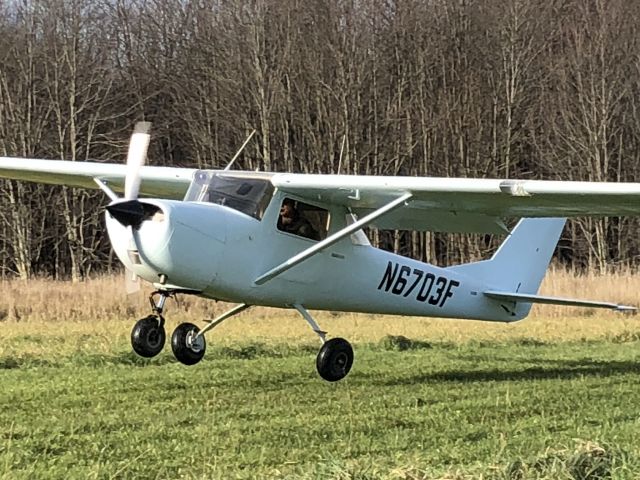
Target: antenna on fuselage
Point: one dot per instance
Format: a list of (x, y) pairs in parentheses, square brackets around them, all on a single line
[(240, 150)]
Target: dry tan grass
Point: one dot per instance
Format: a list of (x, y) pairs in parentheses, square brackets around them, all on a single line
[(96, 315)]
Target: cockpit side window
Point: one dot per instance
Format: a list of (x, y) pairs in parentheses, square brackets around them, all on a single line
[(303, 220), (249, 195)]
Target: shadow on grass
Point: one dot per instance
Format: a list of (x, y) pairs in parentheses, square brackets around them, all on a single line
[(248, 351), (81, 360), (121, 358), (10, 363), (562, 371)]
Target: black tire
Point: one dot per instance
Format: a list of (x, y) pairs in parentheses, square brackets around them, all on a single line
[(148, 337), (335, 359), (184, 350)]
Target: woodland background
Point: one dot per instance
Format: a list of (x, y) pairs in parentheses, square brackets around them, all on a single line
[(473, 88)]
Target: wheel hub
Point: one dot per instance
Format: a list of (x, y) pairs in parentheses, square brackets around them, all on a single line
[(153, 338), (195, 342), (341, 360)]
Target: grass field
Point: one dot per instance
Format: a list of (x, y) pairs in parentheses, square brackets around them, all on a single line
[(553, 397)]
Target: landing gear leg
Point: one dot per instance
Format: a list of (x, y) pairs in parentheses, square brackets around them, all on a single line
[(148, 335), (335, 357), (188, 343)]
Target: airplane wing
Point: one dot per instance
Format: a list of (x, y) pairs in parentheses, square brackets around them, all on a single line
[(164, 182), (462, 204), (437, 204)]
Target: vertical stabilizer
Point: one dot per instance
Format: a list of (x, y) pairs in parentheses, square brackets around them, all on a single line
[(520, 263)]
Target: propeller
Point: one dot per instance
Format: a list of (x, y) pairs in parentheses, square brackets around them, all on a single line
[(129, 211)]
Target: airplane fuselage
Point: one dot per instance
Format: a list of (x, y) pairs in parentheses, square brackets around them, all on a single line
[(220, 252)]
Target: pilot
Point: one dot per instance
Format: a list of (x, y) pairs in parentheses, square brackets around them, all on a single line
[(291, 221)]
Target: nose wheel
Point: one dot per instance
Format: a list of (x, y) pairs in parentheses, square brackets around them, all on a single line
[(148, 336)]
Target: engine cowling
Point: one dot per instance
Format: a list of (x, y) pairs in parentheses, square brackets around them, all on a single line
[(181, 240)]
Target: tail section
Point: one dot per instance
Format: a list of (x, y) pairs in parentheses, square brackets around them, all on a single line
[(520, 263), (514, 274)]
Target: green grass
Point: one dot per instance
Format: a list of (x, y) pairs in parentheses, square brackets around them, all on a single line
[(512, 410)]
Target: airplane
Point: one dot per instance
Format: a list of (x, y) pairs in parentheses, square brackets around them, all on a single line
[(296, 241)]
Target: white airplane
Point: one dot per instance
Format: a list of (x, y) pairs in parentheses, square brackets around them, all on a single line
[(296, 241)]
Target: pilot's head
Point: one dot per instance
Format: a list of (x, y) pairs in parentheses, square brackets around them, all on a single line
[(288, 211)]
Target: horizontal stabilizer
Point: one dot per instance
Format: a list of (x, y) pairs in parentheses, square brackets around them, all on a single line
[(529, 298)]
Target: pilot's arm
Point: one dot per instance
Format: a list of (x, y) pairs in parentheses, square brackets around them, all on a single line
[(306, 230)]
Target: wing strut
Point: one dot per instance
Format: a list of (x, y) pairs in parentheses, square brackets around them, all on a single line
[(105, 188), (331, 239), (218, 320)]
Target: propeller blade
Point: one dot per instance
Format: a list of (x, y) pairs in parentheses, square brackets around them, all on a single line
[(135, 159), (131, 282)]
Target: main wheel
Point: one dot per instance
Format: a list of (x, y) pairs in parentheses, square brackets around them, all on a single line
[(148, 337), (187, 347), (335, 359)]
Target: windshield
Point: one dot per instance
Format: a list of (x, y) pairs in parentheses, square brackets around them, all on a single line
[(247, 195)]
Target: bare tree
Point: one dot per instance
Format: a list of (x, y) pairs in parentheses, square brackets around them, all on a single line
[(24, 117), (590, 90)]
